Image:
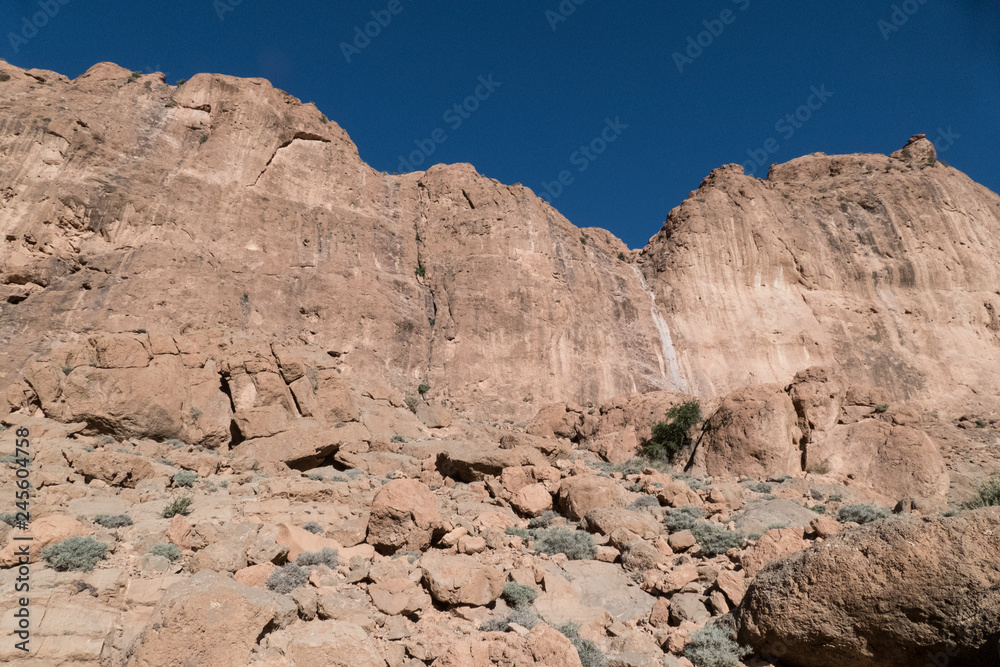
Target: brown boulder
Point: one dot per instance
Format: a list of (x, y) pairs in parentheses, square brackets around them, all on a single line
[(543, 646), (404, 515), (578, 495), (115, 468), (893, 593), (44, 531), (461, 580)]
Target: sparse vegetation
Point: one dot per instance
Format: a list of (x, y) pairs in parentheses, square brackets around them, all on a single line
[(590, 653), (421, 270), (412, 402), (313, 528), (316, 477), (621, 257), (174, 442), (4, 76), (861, 513), (713, 646), (113, 520), (181, 82), (329, 557), (202, 139), (180, 506), (518, 532), (543, 520), (576, 544), (761, 487), (287, 578), (880, 409), (683, 518), (519, 596), (168, 551), (644, 501), (987, 495), (423, 389), (715, 540), (523, 617), (75, 553), (9, 518), (185, 478), (671, 435)]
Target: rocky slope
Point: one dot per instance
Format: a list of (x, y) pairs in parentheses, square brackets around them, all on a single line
[(225, 205)]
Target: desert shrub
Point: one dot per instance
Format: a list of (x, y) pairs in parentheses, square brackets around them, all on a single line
[(519, 596), (339, 478), (420, 271), (523, 617), (683, 518), (185, 478), (412, 403), (75, 553), (4, 76), (712, 646), (424, 388), (761, 487), (671, 435), (316, 477), (819, 509), (692, 481), (816, 495), (313, 528), (224, 484), (329, 557), (880, 409), (168, 551), (180, 506), (543, 520), (644, 501), (987, 495), (287, 578), (88, 448), (861, 513), (520, 532), (714, 540), (635, 465), (113, 520), (9, 518), (174, 442), (819, 467), (398, 438), (576, 544), (590, 653)]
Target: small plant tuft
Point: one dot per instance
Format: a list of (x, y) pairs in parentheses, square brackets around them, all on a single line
[(168, 551), (590, 653), (519, 596), (313, 528), (881, 409), (519, 532), (75, 553), (329, 557), (712, 646), (576, 544), (761, 487), (715, 540), (287, 578), (423, 389), (185, 478), (683, 518), (9, 518), (861, 513), (412, 403), (987, 495), (113, 520), (420, 271), (180, 506)]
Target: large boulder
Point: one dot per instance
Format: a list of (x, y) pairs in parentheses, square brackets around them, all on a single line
[(326, 644), (404, 515), (473, 462), (461, 580), (578, 495), (901, 592), (754, 432), (543, 646), (209, 619), (115, 468)]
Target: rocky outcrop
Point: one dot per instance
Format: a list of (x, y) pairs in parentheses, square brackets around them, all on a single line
[(889, 594)]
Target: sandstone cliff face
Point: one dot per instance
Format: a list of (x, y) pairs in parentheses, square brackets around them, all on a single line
[(226, 207)]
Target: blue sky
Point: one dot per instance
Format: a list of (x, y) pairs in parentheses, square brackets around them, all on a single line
[(630, 104)]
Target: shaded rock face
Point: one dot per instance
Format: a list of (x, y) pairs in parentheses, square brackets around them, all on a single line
[(225, 205), (892, 593)]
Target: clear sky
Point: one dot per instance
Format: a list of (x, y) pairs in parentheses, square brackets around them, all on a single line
[(631, 103)]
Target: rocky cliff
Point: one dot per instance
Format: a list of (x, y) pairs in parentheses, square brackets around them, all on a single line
[(224, 207)]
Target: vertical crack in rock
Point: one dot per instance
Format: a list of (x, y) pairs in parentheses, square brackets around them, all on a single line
[(666, 355)]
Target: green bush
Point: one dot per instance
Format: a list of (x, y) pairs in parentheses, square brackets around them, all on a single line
[(424, 388), (287, 578), (168, 551), (421, 270), (576, 544), (692, 481), (671, 435), (519, 596), (643, 501), (715, 540), (113, 520), (761, 487), (313, 528), (987, 495), (75, 553), (590, 653), (712, 646), (180, 506), (412, 403), (683, 518), (329, 557), (185, 478), (520, 532), (861, 513), (543, 520)]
